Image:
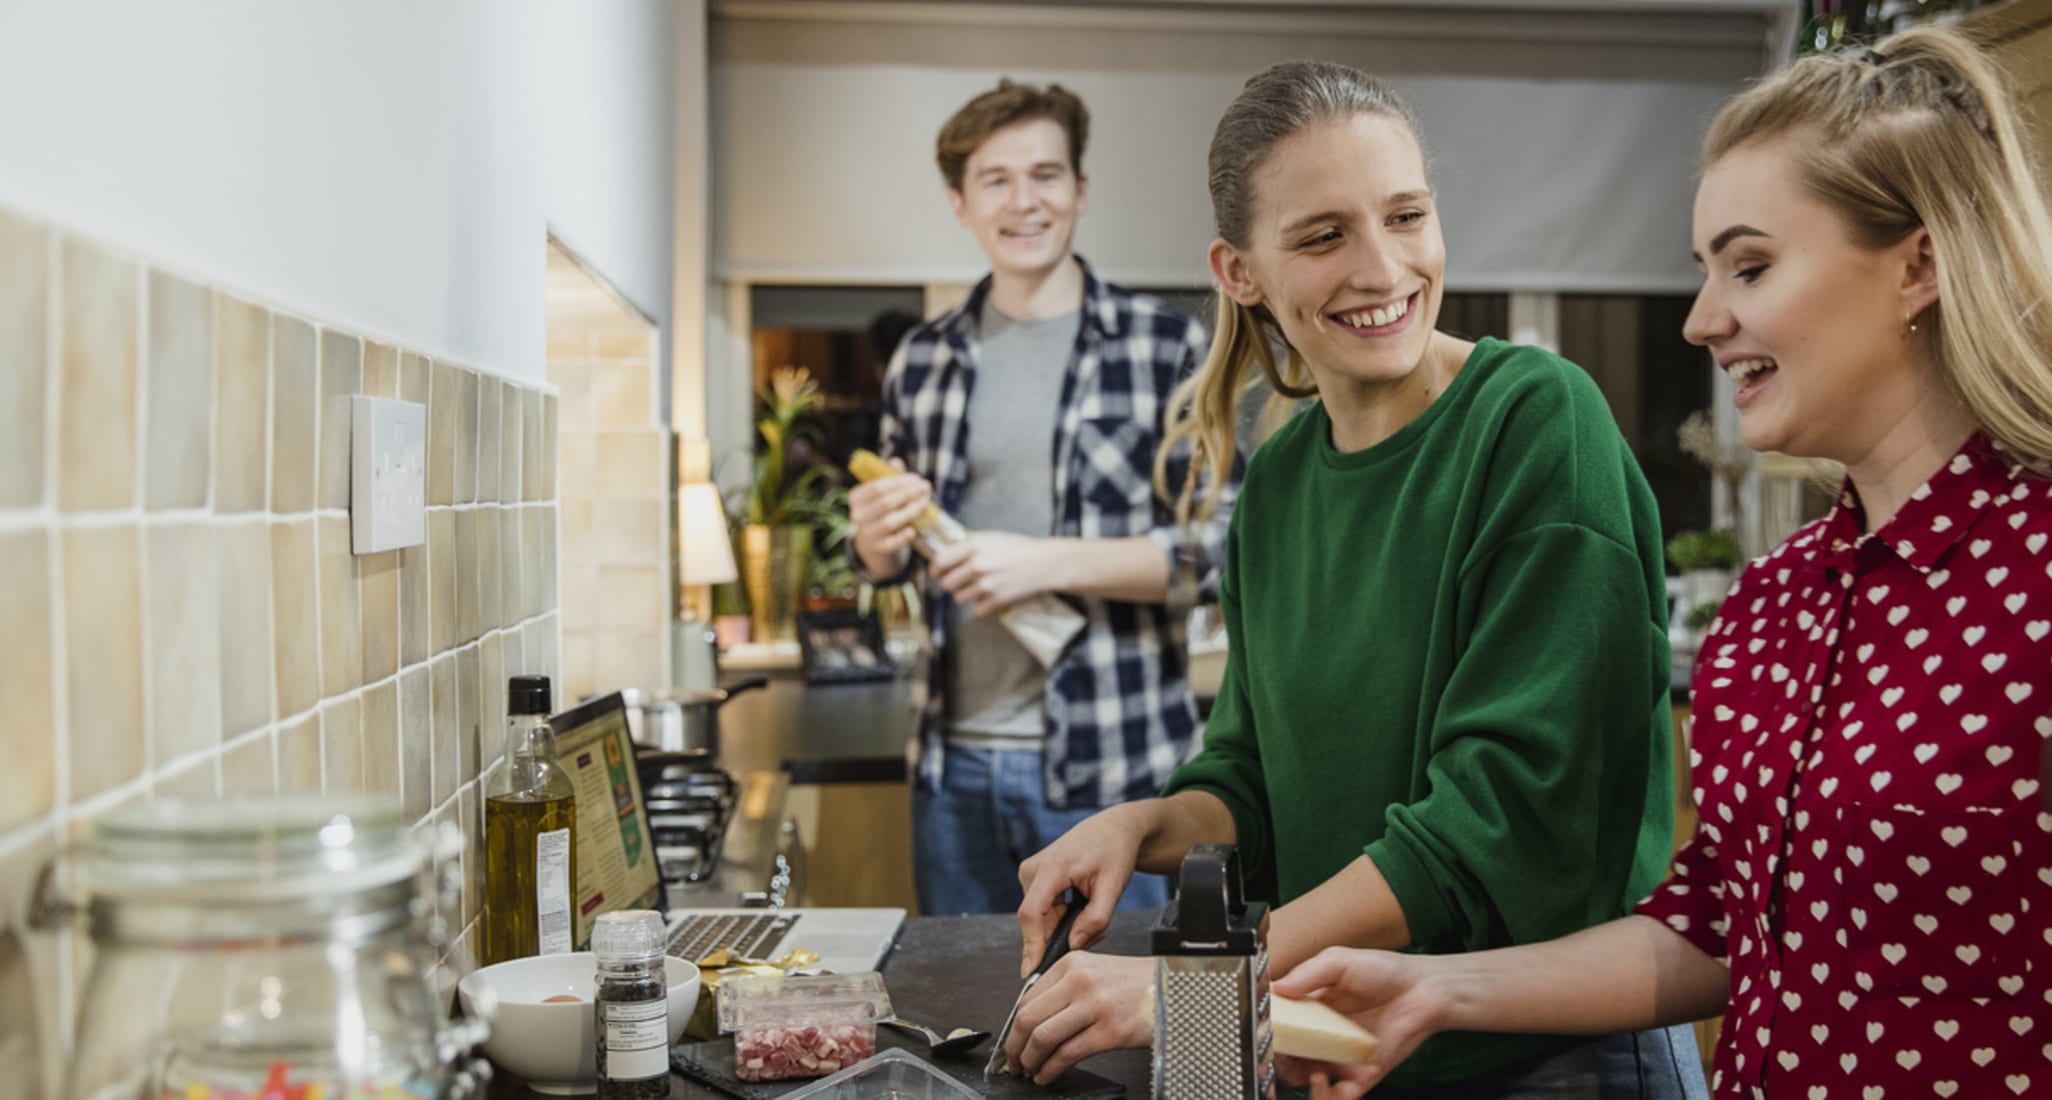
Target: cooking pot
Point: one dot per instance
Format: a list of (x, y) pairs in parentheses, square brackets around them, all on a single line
[(679, 720)]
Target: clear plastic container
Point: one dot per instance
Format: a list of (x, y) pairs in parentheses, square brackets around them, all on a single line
[(788, 1027), (892, 1075)]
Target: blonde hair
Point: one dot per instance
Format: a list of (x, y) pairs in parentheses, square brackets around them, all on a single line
[(1275, 103), (1922, 131)]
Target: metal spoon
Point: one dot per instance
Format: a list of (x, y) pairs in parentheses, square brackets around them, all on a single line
[(958, 1041)]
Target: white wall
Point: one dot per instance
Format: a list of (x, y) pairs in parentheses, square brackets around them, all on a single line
[(611, 129), (1561, 164), (376, 164)]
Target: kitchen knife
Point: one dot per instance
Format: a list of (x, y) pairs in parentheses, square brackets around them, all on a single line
[(1057, 946)]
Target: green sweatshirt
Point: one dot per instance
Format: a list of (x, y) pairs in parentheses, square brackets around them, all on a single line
[(1449, 652)]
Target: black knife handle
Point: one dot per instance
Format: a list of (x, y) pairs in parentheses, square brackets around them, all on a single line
[(1058, 940)]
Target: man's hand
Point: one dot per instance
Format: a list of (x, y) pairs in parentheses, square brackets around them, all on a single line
[(1096, 857), (995, 569), (882, 512), (1085, 1004)]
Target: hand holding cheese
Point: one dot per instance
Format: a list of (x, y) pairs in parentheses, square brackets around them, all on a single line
[(1311, 1030)]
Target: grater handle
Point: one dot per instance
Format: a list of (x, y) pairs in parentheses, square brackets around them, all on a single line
[(1208, 893)]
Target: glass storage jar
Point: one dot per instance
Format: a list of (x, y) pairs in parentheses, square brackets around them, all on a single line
[(263, 948)]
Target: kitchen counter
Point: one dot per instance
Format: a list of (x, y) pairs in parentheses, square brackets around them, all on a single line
[(950, 972), (820, 733)]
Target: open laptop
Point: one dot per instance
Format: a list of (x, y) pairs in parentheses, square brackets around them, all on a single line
[(618, 865)]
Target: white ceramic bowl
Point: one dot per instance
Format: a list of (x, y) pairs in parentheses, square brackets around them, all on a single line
[(552, 1045)]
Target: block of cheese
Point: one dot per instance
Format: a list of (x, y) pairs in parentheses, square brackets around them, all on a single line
[(1312, 1030)]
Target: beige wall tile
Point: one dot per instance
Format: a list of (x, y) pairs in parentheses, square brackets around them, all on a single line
[(28, 784), (579, 475), (341, 609), (490, 611), (447, 755), (415, 381), (413, 604), (442, 570), (540, 571), (488, 441), (470, 814), (580, 540), (580, 592), (295, 594), (445, 418), (514, 649), (188, 779), (623, 395), (299, 755), (380, 369), (341, 380), (24, 358), (491, 675), (468, 584), (469, 712), (568, 337), (249, 767), (242, 394), (416, 743), (246, 655), (96, 430), (178, 420), (182, 650), (551, 436), (465, 487), (631, 597), (510, 441), (538, 647), (530, 445), (103, 653), (381, 757), (628, 532), (628, 658), (580, 663), (342, 744), (380, 576), (295, 413), (573, 384), (631, 339), (512, 566), (632, 464)]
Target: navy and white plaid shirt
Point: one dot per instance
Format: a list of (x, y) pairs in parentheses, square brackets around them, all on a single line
[(1119, 714)]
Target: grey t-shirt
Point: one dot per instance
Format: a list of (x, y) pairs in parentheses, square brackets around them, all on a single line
[(996, 688)]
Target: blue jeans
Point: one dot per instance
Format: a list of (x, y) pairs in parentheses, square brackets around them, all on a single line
[(990, 815), (1657, 1064)]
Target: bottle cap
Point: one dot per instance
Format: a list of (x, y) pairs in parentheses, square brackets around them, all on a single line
[(527, 695), (628, 936)]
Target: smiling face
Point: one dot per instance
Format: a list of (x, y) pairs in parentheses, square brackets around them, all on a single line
[(1811, 327), (1344, 249), (1021, 197)]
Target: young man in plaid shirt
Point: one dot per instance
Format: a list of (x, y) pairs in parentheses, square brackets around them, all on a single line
[(1032, 413)]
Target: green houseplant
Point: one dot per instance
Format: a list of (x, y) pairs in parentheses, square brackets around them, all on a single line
[(783, 509), (1697, 550)]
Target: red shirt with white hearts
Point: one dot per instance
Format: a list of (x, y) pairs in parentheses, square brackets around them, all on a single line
[(1873, 862)]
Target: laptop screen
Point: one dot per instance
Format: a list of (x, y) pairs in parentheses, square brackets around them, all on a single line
[(616, 856)]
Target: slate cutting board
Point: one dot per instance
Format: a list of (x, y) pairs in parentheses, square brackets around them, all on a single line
[(712, 1063)]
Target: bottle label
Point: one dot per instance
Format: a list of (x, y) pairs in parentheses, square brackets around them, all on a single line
[(637, 1040), (552, 891)]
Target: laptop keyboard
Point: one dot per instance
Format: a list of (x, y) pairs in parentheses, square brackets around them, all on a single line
[(751, 935)]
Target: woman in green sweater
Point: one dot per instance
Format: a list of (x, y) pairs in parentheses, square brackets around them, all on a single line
[(1444, 721)]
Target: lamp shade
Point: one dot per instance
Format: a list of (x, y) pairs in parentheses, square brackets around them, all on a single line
[(704, 556)]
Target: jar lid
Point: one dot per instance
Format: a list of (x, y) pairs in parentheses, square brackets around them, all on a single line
[(629, 936), (256, 847)]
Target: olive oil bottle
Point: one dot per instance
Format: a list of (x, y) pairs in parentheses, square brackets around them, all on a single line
[(530, 848)]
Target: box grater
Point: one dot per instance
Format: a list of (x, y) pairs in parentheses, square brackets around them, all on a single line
[(1211, 1031)]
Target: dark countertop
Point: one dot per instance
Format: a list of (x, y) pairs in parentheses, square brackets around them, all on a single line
[(950, 972), (820, 733)]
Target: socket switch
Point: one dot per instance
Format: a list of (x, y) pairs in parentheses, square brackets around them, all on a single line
[(388, 474)]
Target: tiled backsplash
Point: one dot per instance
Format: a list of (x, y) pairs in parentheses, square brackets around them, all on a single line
[(180, 613)]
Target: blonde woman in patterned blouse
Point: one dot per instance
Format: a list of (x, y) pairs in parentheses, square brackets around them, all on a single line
[(1868, 897)]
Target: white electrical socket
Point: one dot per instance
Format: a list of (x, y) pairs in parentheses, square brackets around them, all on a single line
[(388, 474)]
